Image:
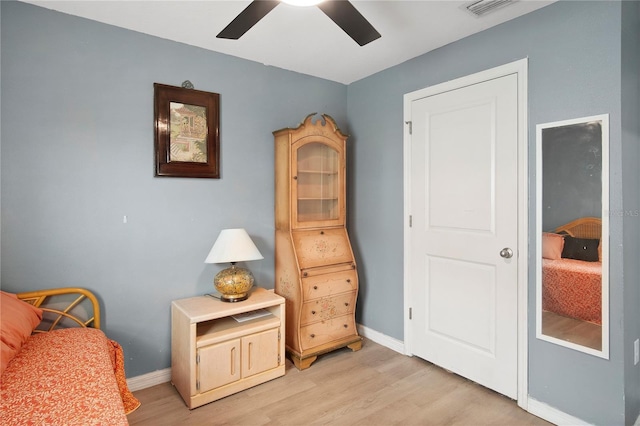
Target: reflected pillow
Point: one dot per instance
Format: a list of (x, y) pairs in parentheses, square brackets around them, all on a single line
[(552, 245), (581, 249)]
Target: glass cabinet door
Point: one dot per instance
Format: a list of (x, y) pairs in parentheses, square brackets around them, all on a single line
[(318, 176)]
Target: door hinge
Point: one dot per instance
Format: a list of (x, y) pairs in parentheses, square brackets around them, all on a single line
[(410, 313), (197, 384), (198, 359), (410, 123), (279, 334), (278, 359), (410, 221)]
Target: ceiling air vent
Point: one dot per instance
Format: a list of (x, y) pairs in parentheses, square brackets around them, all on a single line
[(482, 7)]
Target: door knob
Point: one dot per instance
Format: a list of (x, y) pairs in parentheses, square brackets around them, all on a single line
[(506, 252)]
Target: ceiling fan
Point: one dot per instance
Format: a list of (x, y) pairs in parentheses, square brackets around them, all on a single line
[(342, 12)]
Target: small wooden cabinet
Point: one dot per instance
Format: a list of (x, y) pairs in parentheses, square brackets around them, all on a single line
[(315, 267), (214, 355)]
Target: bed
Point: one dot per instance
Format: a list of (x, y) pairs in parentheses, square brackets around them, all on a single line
[(572, 270), (58, 367)]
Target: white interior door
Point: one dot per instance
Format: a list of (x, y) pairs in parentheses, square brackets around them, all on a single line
[(464, 206)]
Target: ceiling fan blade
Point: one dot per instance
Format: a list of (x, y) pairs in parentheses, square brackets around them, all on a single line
[(347, 17), (250, 16)]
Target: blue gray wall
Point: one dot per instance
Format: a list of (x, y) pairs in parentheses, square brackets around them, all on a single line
[(77, 156), (574, 52), (631, 195)]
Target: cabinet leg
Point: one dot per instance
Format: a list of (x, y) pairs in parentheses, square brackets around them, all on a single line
[(356, 346), (302, 364)]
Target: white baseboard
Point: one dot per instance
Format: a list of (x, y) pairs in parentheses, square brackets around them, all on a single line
[(150, 379), (381, 339), (552, 414)]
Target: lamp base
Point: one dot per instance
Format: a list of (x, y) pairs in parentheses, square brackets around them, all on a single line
[(233, 284), (233, 297)]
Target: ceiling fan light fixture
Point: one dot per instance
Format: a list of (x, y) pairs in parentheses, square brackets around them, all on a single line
[(342, 13), (302, 3)]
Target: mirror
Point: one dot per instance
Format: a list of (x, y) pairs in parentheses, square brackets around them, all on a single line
[(573, 234)]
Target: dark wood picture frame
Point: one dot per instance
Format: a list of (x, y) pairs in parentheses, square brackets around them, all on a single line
[(187, 132)]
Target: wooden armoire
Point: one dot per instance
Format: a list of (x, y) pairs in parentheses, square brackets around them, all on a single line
[(315, 268)]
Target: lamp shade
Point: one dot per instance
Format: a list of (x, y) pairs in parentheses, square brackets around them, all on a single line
[(233, 245)]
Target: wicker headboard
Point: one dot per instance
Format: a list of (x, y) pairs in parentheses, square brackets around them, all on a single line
[(585, 227), (64, 307)]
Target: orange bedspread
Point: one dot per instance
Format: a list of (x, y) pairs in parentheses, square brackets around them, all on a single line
[(66, 377), (572, 288)]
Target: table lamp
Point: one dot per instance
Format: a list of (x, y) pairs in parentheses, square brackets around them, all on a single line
[(233, 245)]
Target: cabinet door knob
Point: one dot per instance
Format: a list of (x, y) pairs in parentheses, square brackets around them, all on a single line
[(346, 303), (295, 178), (321, 232), (348, 280), (315, 287), (313, 312), (346, 326), (305, 274), (313, 335)]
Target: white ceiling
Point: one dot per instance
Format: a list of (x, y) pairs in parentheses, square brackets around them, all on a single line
[(302, 39)]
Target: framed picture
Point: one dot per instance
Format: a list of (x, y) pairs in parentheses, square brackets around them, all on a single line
[(187, 137)]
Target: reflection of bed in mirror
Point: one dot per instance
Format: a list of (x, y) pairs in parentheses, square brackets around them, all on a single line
[(572, 281)]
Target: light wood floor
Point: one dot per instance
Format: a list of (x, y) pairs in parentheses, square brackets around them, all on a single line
[(572, 330), (374, 386)]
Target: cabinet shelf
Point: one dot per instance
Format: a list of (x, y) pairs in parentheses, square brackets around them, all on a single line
[(318, 172), (313, 217), (219, 330)]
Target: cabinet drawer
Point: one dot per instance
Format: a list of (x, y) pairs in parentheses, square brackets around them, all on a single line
[(329, 284), (322, 247), (326, 308), (323, 332)]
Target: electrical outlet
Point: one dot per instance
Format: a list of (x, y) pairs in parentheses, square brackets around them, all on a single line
[(636, 352)]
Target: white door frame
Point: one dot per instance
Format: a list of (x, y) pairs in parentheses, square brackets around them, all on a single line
[(519, 68)]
